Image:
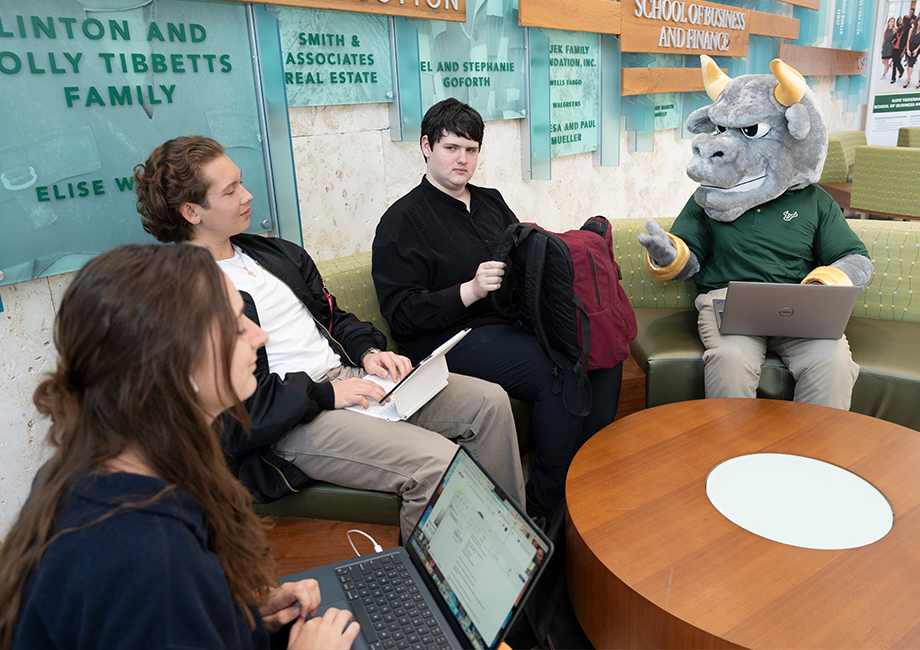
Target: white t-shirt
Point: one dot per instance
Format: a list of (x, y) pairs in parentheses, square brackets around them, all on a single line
[(294, 342)]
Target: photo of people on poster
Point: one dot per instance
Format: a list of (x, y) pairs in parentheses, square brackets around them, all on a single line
[(894, 90)]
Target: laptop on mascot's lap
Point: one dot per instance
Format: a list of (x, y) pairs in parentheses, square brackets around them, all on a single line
[(804, 311)]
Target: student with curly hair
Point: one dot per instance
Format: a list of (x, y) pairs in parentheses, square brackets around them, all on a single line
[(313, 367)]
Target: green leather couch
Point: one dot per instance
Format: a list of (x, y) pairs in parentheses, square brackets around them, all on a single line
[(349, 280), (884, 333)]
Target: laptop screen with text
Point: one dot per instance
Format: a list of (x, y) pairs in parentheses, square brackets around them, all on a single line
[(479, 549)]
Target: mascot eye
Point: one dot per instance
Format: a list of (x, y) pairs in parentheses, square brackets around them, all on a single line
[(720, 128), (755, 131)]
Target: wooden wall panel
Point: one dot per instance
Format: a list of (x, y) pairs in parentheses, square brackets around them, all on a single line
[(823, 61), (444, 11), (596, 16), (764, 24), (648, 81), (808, 4)]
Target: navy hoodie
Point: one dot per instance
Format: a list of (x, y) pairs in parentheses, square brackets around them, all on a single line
[(140, 579)]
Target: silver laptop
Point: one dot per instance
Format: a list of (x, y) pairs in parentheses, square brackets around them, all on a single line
[(804, 311), (413, 391), (459, 582)]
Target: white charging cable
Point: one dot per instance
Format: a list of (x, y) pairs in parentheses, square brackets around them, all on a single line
[(377, 547)]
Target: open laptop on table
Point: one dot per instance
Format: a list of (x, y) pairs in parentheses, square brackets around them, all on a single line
[(460, 580), (804, 311), (413, 391)]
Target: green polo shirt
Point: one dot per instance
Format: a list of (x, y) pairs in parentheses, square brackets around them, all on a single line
[(779, 241)]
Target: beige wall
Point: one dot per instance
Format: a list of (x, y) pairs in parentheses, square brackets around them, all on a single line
[(348, 172)]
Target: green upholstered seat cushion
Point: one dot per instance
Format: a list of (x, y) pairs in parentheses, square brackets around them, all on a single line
[(349, 280), (849, 141), (668, 348), (836, 169), (841, 155), (888, 355), (909, 136), (894, 248), (885, 180), (321, 500)]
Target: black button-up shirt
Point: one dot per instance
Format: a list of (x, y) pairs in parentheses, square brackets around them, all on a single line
[(426, 246)]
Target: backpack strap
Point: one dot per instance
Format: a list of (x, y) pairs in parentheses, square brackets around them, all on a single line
[(532, 285), (533, 288), (500, 253), (581, 367)]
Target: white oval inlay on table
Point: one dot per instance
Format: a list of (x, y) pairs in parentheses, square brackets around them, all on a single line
[(799, 501)]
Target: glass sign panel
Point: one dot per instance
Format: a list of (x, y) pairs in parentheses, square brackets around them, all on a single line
[(667, 105), (89, 89), (334, 57), (574, 86), (480, 62)]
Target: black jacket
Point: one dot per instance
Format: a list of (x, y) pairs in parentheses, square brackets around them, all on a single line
[(281, 403)]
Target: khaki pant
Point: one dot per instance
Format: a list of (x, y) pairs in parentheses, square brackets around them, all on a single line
[(408, 458), (823, 369)]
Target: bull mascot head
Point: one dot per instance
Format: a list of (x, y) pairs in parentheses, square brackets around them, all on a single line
[(763, 135)]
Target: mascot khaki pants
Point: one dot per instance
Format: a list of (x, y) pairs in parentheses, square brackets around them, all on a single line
[(823, 369)]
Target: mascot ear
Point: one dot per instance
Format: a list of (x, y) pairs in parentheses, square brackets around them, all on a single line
[(699, 121), (799, 122)]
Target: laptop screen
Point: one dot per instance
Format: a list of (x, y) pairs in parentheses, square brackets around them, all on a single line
[(480, 551)]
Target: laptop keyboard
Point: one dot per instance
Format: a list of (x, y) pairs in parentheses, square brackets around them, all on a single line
[(386, 410), (389, 605)]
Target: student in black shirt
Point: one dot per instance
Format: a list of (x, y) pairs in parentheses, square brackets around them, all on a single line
[(432, 272)]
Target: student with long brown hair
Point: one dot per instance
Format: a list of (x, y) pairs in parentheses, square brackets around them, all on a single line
[(135, 534)]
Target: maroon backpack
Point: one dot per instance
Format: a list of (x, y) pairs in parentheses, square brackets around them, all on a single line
[(566, 288)]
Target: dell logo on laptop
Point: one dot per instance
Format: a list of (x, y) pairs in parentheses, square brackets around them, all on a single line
[(785, 312)]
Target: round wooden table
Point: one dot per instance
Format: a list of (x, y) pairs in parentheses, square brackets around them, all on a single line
[(652, 564)]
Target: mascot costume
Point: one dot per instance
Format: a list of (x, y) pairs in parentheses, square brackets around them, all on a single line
[(759, 216)]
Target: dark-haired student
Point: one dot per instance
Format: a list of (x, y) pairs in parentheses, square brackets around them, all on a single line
[(314, 363), (432, 272), (135, 534)]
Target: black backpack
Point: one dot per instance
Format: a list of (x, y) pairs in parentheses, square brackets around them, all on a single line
[(565, 288)]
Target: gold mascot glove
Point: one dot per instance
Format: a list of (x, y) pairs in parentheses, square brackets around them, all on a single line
[(828, 275), (675, 267)]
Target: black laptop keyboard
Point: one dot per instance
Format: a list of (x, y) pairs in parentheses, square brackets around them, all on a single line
[(389, 605)]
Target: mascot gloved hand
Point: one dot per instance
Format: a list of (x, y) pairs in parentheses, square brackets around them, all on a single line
[(759, 216), (666, 256)]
